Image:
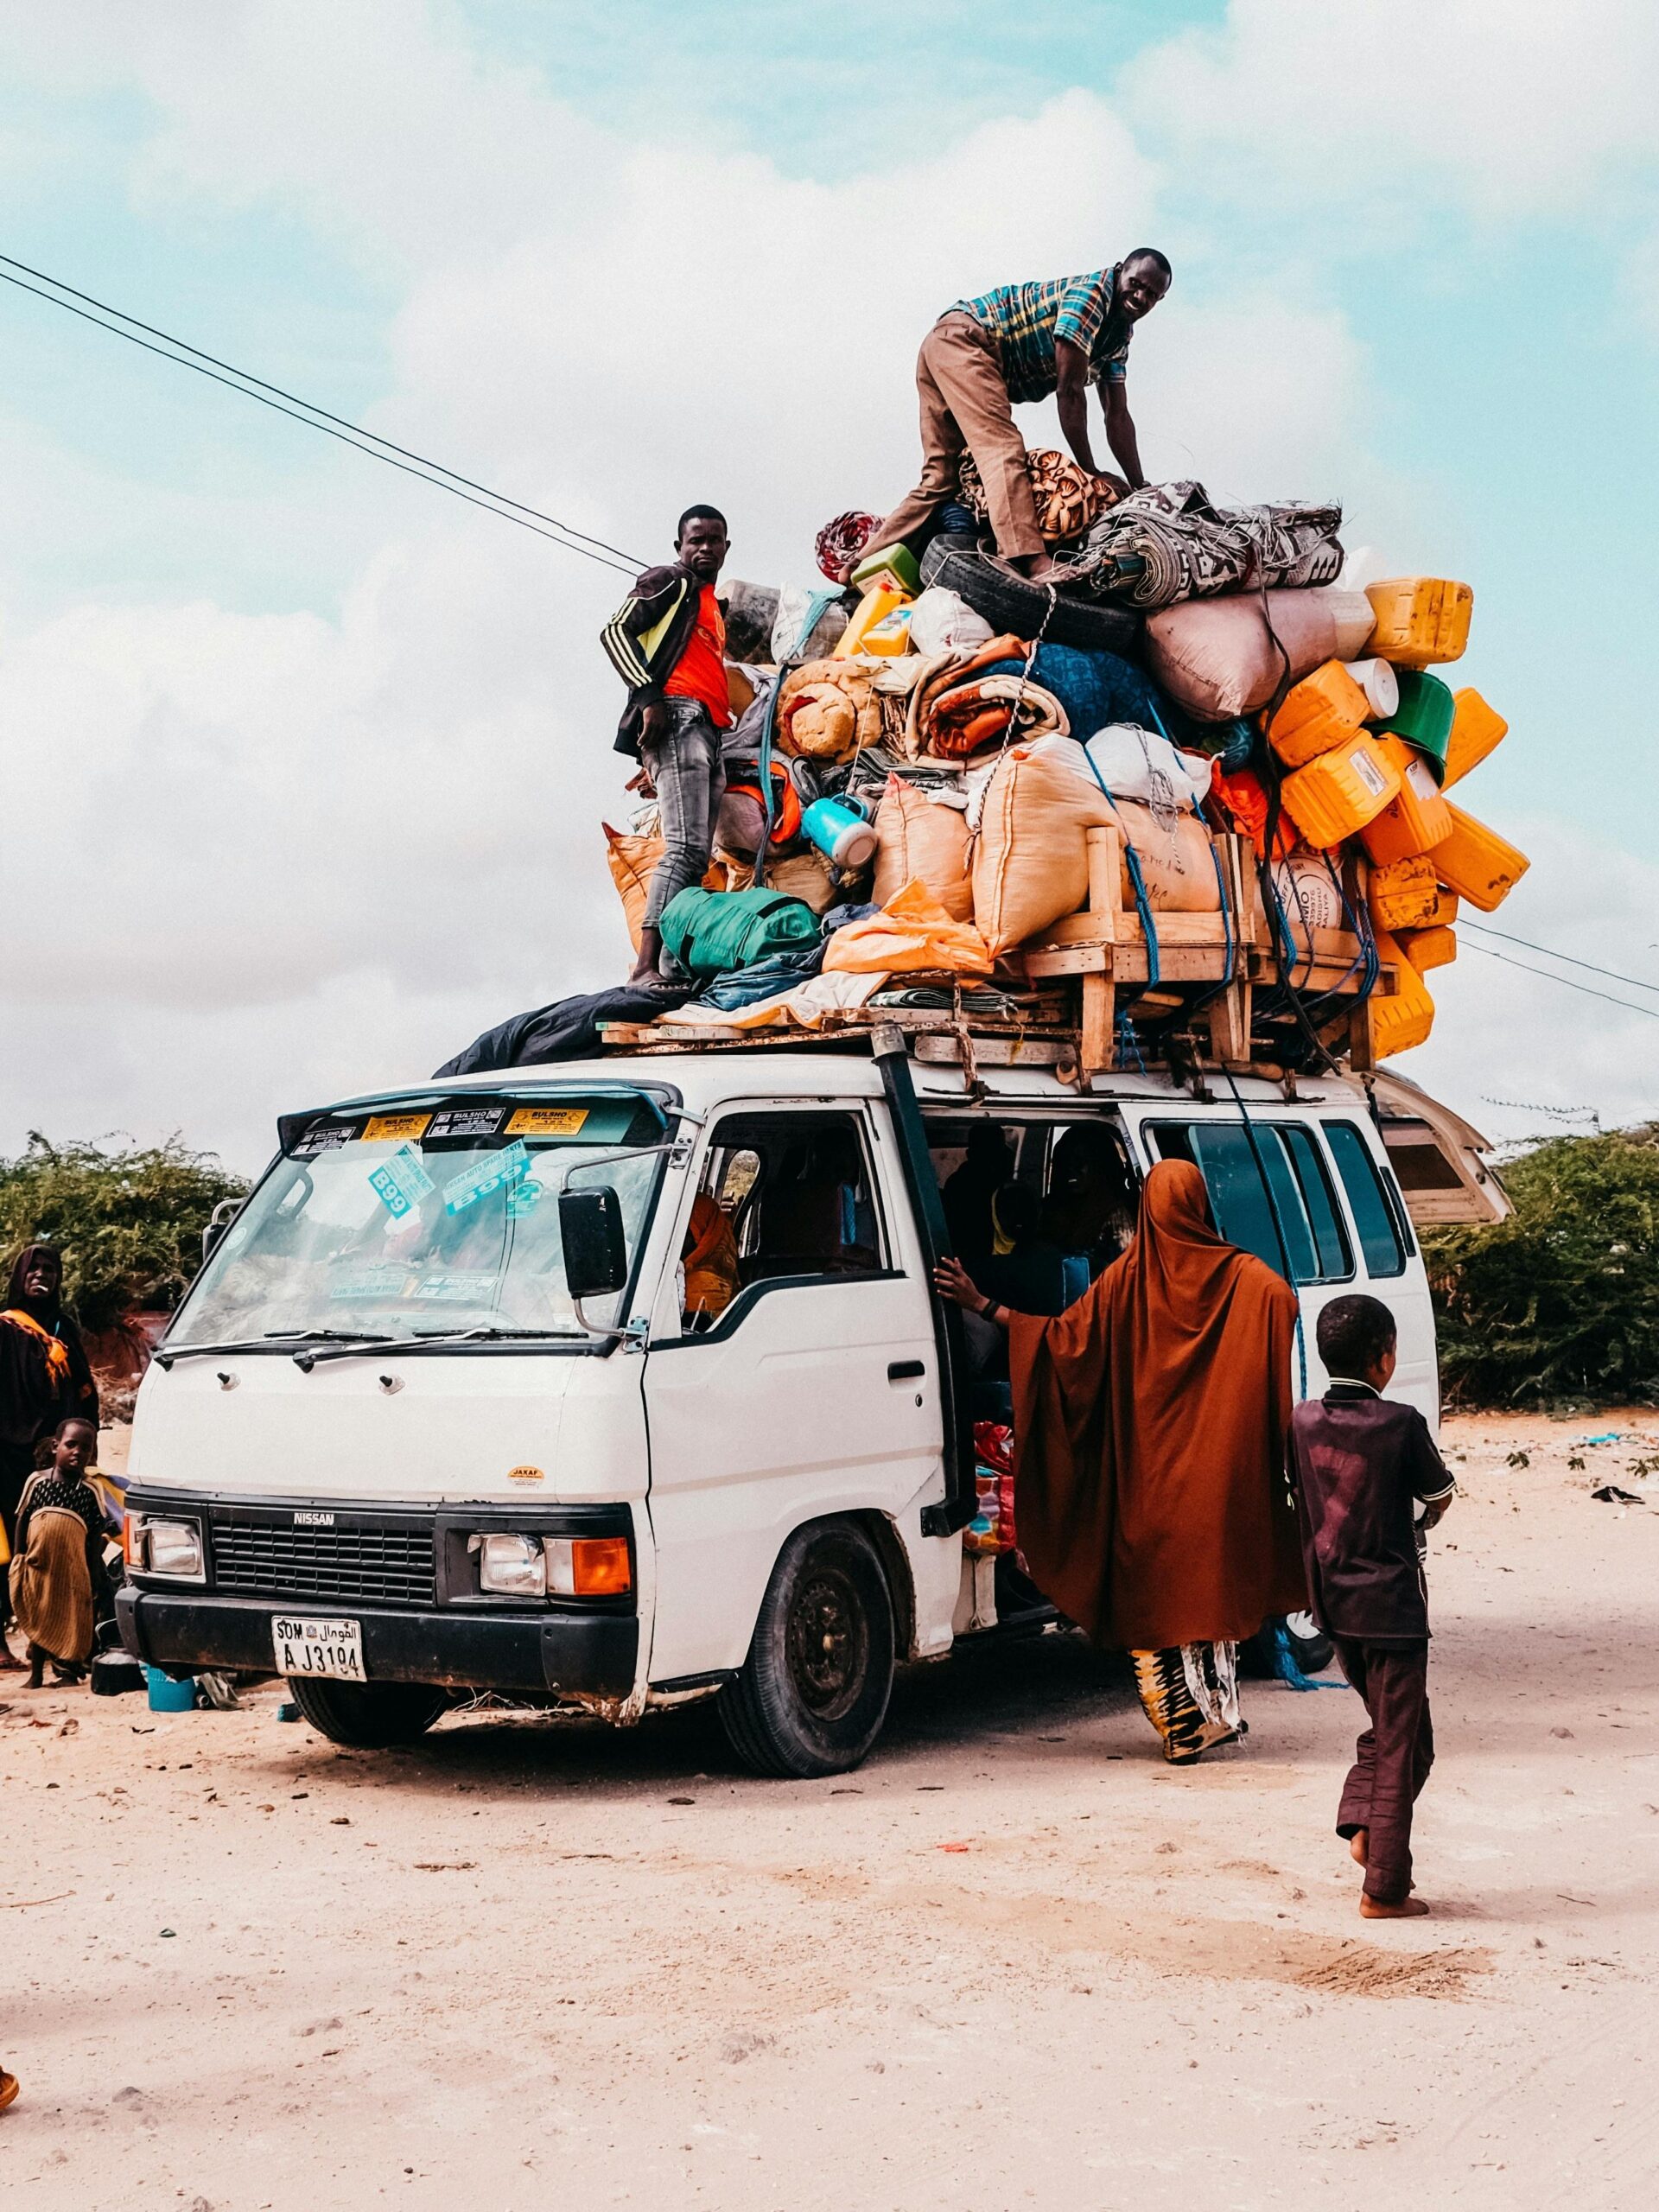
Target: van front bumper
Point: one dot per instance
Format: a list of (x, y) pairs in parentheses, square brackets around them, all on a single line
[(590, 1655)]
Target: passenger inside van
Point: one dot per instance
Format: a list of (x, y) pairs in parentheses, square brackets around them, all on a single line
[(968, 1193), (1091, 1198)]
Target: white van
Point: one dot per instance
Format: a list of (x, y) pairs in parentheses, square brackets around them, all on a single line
[(432, 1420)]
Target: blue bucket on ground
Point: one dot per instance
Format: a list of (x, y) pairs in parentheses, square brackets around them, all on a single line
[(167, 1696)]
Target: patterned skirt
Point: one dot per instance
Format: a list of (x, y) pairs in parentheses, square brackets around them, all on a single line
[(1191, 1695)]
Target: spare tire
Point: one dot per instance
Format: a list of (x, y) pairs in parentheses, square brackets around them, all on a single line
[(1011, 605)]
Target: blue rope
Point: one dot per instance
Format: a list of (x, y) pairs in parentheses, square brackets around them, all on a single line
[(1137, 882), (1125, 1031)]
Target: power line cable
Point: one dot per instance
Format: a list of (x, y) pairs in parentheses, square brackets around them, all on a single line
[(1612, 974), (1565, 981), (350, 433)]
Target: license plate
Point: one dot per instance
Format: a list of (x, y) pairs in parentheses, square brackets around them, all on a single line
[(326, 1646)]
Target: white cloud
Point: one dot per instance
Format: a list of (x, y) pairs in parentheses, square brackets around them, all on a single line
[(1510, 108), (257, 860)]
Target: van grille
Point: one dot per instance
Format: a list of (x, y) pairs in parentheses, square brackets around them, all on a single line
[(374, 1561)]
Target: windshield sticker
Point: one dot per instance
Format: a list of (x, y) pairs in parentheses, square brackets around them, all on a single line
[(484, 1176), (401, 1182), (523, 1197), (386, 1280), (401, 1128), (326, 1136), (547, 1121), (467, 1121), (457, 1290)]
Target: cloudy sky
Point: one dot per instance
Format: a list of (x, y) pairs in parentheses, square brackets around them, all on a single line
[(304, 762)]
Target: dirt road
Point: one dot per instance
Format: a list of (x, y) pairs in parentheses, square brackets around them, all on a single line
[(1013, 1960)]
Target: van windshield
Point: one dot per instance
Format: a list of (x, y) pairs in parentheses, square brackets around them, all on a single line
[(423, 1221)]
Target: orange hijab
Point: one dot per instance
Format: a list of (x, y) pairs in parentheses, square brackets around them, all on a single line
[(1150, 1420), (57, 1353), (710, 1260)]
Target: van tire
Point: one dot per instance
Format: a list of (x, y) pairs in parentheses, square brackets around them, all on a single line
[(813, 1692), (368, 1716), (1009, 603)]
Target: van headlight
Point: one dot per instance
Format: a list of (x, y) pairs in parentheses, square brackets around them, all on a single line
[(510, 1566), (172, 1548)]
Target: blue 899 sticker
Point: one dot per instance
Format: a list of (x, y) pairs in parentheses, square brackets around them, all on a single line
[(484, 1176), (401, 1182)]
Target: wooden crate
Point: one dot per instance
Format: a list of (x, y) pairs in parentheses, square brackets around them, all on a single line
[(1230, 951), (1095, 965)]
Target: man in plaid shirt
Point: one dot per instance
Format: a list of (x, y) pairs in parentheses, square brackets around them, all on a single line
[(984, 357)]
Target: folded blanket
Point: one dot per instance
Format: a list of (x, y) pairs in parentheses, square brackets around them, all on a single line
[(969, 715), (1067, 498)]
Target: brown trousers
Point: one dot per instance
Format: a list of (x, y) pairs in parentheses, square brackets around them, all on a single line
[(1391, 1759), (965, 405)]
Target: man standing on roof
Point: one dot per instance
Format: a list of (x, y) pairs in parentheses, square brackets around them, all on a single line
[(986, 356), (667, 642)]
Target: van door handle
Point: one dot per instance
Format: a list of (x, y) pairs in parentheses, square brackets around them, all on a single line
[(906, 1370)]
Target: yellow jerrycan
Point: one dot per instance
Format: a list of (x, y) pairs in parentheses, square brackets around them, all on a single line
[(1430, 948), (1477, 864), (1405, 1018), (1419, 818), (1340, 791), (1477, 730), (1420, 619), (1318, 713), (1406, 894)]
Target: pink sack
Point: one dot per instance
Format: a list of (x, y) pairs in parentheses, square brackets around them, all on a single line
[(1216, 658)]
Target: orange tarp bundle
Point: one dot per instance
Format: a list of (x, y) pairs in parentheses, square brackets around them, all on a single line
[(912, 933)]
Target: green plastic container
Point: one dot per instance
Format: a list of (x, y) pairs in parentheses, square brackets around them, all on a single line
[(898, 558), (1424, 716)]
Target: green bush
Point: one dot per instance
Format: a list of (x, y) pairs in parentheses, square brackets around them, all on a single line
[(128, 1222), (1560, 1302)]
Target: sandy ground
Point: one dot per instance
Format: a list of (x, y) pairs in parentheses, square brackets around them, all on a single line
[(1014, 1960)]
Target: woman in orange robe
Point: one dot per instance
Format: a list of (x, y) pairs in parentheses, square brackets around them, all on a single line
[(1151, 1491)]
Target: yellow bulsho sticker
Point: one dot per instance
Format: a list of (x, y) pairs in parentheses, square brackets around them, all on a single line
[(403, 1128), (547, 1121), (526, 1475)]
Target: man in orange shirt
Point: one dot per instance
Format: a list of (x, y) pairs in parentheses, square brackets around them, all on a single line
[(667, 641)]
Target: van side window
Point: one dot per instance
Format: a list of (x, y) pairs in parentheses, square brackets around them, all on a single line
[(800, 1194), (1315, 1242), (1375, 1216)]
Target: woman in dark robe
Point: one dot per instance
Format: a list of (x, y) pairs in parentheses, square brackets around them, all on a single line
[(44, 1376), (1151, 1496)]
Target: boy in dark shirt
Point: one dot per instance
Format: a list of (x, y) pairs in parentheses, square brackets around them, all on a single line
[(1363, 1465)]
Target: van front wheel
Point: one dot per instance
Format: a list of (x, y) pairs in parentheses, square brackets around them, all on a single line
[(367, 1716), (813, 1692)]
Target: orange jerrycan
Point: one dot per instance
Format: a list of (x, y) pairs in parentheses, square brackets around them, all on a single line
[(1318, 713), (1419, 818), (1406, 1015), (1340, 791), (1406, 894), (1420, 619), (1427, 949), (1446, 913), (1477, 729), (1477, 864)]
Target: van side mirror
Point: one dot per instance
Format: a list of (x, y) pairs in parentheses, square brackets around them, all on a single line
[(595, 1247)]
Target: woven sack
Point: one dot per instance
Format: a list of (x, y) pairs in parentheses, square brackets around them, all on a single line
[(922, 841), (1030, 861), (633, 856)]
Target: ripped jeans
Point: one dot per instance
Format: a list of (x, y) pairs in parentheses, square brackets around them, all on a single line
[(689, 771)]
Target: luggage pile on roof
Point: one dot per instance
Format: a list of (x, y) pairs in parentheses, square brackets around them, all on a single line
[(1189, 798)]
